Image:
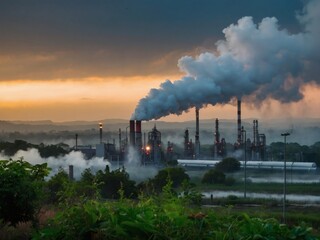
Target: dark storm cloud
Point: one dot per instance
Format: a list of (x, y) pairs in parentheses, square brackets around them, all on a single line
[(69, 39)]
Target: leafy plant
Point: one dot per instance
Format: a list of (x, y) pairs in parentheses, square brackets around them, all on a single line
[(20, 189)]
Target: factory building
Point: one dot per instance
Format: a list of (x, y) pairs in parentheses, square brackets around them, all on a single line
[(101, 150)]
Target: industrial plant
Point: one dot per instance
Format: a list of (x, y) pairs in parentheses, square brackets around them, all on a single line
[(147, 147)]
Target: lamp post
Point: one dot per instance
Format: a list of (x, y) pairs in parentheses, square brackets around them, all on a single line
[(284, 176), (245, 161)]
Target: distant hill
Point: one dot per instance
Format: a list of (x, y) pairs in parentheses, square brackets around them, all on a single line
[(303, 131)]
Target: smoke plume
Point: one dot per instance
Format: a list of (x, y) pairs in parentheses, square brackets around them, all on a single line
[(254, 62)]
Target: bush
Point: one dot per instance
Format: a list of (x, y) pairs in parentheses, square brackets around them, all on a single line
[(228, 165), (168, 219), (176, 175), (213, 176), (56, 186), (20, 185), (111, 182)]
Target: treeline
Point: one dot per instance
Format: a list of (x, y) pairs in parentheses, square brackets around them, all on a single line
[(45, 151), (295, 152)]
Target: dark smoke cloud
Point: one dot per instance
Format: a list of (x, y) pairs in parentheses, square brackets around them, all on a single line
[(256, 61)]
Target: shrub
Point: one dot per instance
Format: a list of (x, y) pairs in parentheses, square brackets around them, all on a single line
[(176, 175), (110, 182), (57, 185), (213, 176), (20, 185)]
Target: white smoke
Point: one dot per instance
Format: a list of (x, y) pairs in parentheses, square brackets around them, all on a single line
[(133, 166), (79, 163), (255, 62), (74, 158)]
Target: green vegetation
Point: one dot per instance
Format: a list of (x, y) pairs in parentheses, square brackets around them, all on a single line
[(110, 182), (108, 205), (45, 151), (214, 176), (296, 152), (20, 190), (163, 217), (176, 175)]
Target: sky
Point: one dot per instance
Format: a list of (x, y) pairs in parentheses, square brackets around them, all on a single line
[(66, 60)]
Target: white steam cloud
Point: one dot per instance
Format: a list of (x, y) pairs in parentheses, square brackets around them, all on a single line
[(255, 61), (80, 163), (77, 159)]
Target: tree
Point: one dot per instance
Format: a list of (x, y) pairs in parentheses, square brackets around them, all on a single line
[(57, 185), (20, 184), (214, 176), (176, 175), (111, 182), (51, 151), (228, 165)]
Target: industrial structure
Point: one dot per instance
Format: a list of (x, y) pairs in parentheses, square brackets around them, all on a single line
[(153, 147), (262, 165), (188, 146), (150, 151), (197, 139), (219, 145)]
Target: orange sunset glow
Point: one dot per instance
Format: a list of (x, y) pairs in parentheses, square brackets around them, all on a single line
[(98, 64)]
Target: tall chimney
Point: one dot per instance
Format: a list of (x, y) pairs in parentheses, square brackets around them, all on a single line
[(120, 141), (138, 135), (197, 141), (239, 123), (217, 138), (217, 134), (132, 134), (257, 134), (100, 128), (254, 133), (76, 141)]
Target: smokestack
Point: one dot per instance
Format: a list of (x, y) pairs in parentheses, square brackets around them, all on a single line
[(254, 133), (257, 133), (76, 141), (239, 122), (119, 140), (138, 135), (100, 129), (132, 134), (217, 138), (217, 134), (197, 141)]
